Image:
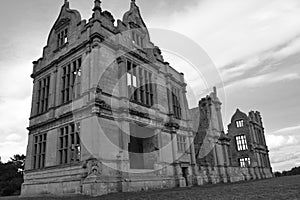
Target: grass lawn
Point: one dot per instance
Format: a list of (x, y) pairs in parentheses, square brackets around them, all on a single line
[(277, 188)]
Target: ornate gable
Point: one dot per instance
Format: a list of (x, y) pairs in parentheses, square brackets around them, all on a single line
[(238, 115), (133, 17), (67, 19)]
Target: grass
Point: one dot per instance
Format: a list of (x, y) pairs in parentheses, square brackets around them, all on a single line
[(276, 188)]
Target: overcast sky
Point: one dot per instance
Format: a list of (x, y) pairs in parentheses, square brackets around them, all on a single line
[(254, 45)]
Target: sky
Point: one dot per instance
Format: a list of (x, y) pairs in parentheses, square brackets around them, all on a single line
[(254, 45)]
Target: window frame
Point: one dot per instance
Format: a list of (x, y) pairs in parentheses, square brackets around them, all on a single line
[(71, 80), (62, 37), (39, 151), (69, 144), (140, 84), (181, 143), (245, 162), (176, 103), (239, 123), (43, 94), (241, 143)]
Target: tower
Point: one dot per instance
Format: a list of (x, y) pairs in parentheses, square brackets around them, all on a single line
[(211, 143)]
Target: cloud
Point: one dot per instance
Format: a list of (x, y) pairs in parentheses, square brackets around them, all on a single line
[(13, 137), (247, 40), (233, 30), (293, 130), (261, 80), (284, 145), (284, 158), (278, 141), (14, 114), (290, 48), (10, 148), (263, 63)]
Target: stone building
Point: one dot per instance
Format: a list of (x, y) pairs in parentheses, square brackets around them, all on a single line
[(235, 156), (109, 114), (248, 143), (211, 143)]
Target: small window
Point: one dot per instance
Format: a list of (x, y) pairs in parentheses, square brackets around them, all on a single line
[(62, 38), (239, 123), (181, 143), (244, 162), (241, 143)]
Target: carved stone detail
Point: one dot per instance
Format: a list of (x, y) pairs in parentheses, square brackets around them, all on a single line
[(61, 23), (94, 167)]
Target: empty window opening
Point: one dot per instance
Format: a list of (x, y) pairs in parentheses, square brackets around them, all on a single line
[(139, 84), (142, 147), (69, 144)]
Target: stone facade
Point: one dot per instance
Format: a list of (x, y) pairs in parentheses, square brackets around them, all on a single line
[(255, 148), (110, 115), (227, 157)]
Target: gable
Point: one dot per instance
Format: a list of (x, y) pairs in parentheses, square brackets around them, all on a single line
[(67, 19)]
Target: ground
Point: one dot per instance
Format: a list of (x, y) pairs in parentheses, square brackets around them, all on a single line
[(276, 188)]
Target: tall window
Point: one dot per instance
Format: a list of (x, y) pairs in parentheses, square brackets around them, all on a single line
[(71, 81), (132, 80), (265, 160), (181, 143), (43, 95), (139, 83), (62, 37), (239, 123), (39, 151), (259, 136), (142, 87), (241, 142), (148, 88), (69, 144), (244, 162), (176, 103)]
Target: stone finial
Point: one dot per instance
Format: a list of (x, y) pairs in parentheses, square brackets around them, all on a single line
[(97, 5), (132, 3), (215, 90), (66, 3)]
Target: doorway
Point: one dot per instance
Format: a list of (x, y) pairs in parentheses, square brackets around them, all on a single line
[(185, 174)]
